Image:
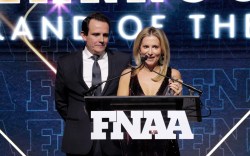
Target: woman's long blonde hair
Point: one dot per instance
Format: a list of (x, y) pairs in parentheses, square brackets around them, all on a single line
[(165, 50)]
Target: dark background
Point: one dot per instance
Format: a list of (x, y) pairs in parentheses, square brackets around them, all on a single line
[(219, 67)]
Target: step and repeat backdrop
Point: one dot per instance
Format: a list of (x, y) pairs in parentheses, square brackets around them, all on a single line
[(210, 45)]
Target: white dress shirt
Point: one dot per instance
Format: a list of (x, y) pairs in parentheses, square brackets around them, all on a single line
[(87, 67)]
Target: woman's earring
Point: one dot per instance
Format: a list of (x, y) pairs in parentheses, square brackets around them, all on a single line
[(161, 59)]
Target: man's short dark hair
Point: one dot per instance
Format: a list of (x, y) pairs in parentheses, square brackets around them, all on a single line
[(97, 16)]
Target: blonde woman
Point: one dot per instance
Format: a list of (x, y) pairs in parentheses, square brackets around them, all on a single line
[(145, 81)]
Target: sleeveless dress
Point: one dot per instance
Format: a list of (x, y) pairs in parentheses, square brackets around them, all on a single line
[(149, 147)]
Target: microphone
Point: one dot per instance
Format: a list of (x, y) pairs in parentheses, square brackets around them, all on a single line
[(191, 88), (144, 58), (90, 91)]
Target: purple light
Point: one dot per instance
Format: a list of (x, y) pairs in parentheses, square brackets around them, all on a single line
[(157, 4), (60, 6)]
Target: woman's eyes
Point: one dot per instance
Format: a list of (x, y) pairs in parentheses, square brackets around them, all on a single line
[(155, 47)]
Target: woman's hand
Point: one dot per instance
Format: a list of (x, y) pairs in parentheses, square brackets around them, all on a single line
[(176, 86)]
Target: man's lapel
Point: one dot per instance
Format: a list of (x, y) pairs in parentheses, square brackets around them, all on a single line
[(79, 68)]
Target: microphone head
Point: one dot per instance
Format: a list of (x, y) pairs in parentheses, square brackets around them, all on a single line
[(144, 58)]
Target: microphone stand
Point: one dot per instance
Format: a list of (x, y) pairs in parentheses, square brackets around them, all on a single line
[(89, 92), (191, 88)]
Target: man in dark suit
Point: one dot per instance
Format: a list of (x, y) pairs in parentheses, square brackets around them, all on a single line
[(74, 77)]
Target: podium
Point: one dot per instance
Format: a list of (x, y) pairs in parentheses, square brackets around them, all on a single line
[(190, 104)]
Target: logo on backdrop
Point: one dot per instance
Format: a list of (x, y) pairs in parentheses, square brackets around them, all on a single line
[(157, 20)]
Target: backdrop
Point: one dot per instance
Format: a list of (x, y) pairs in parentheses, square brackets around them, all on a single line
[(209, 43)]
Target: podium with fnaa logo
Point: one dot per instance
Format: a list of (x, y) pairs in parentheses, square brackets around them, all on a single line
[(190, 104), (143, 124)]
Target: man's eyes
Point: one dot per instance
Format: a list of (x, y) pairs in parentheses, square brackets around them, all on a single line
[(97, 34)]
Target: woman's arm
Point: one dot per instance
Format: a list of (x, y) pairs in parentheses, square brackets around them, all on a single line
[(176, 86)]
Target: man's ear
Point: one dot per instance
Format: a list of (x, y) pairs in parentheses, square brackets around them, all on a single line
[(84, 37)]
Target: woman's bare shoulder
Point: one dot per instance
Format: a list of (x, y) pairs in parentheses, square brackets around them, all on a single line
[(176, 73)]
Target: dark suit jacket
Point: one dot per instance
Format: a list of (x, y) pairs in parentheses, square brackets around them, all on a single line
[(69, 91)]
